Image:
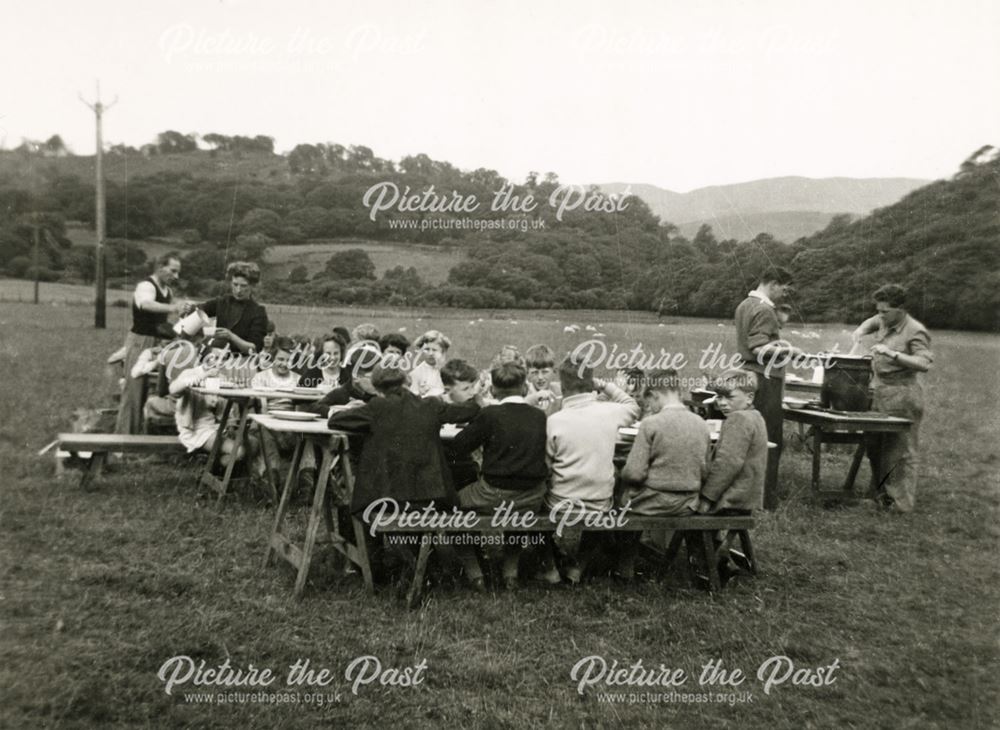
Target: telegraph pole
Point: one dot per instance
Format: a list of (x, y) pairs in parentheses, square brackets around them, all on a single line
[(34, 257), (100, 296)]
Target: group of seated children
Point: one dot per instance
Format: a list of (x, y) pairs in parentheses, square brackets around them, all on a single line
[(543, 442), (537, 437), (285, 362)]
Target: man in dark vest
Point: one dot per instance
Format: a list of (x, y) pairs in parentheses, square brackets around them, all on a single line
[(152, 302), (759, 343)]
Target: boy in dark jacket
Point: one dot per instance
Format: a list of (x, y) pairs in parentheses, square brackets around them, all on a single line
[(402, 456), (512, 436)]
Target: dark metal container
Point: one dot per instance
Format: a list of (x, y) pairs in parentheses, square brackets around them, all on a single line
[(846, 380)]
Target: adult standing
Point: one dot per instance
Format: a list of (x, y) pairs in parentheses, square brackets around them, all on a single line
[(902, 351), (241, 321), (152, 302), (759, 344)]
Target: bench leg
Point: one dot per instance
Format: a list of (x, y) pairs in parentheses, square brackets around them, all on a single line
[(745, 559), (94, 468), (675, 545), (413, 596), (708, 546)]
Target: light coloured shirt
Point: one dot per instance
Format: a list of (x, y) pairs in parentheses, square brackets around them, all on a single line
[(909, 337), (268, 379), (425, 381), (580, 446), (145, 293), (763, 297)]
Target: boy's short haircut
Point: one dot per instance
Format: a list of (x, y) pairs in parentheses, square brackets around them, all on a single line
[(458, 371), (892, 294), (433, 336), (388, 378), (661, 381), (284, 343), (363, 360), (394, 339), (540, 356), (508, 379), (271, 327), (366, 331), (575, 376), (517, 357), (334, 337), (776, 275), (744, 380), (343, 332)]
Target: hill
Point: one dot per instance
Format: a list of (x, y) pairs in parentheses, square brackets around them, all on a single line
[(941, 241), (785, 207), (785, 225)]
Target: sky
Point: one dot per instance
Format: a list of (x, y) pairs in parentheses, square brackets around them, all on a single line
[(676, 94)]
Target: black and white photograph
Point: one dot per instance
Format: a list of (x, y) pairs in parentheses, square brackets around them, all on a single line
[(500, 365)]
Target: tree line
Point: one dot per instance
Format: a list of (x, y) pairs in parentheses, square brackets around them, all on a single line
[(942, 242)]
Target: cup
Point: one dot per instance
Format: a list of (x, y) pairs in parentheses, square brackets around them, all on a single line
[(209, 330), (213, 383)]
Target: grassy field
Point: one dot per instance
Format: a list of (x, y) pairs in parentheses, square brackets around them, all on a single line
[(431, 262), (99, 589)]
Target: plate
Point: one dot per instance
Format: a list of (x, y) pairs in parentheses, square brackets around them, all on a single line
[(294, 415), (628, 431), (796, 402)]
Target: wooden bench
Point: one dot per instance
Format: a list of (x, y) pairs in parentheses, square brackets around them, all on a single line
[(699, 532), (99, 445)]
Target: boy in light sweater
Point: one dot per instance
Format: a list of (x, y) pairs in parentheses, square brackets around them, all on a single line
[(580, 449), (669, 459), (580, 438), (667, 463)]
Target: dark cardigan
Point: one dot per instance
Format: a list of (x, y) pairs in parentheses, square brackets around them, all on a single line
[(402, 455), (246, 319)]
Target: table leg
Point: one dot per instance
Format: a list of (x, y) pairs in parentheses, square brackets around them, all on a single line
[(243, 407), (859, 455), (315, 517), (267, 467), (875, 457), (207, 477), (286, 496), (363, 561), (817, 455)]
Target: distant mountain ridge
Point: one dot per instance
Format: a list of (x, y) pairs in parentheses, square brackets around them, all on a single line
[(786, 207)]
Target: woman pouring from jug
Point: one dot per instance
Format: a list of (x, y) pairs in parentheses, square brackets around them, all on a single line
[(902, 351)]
